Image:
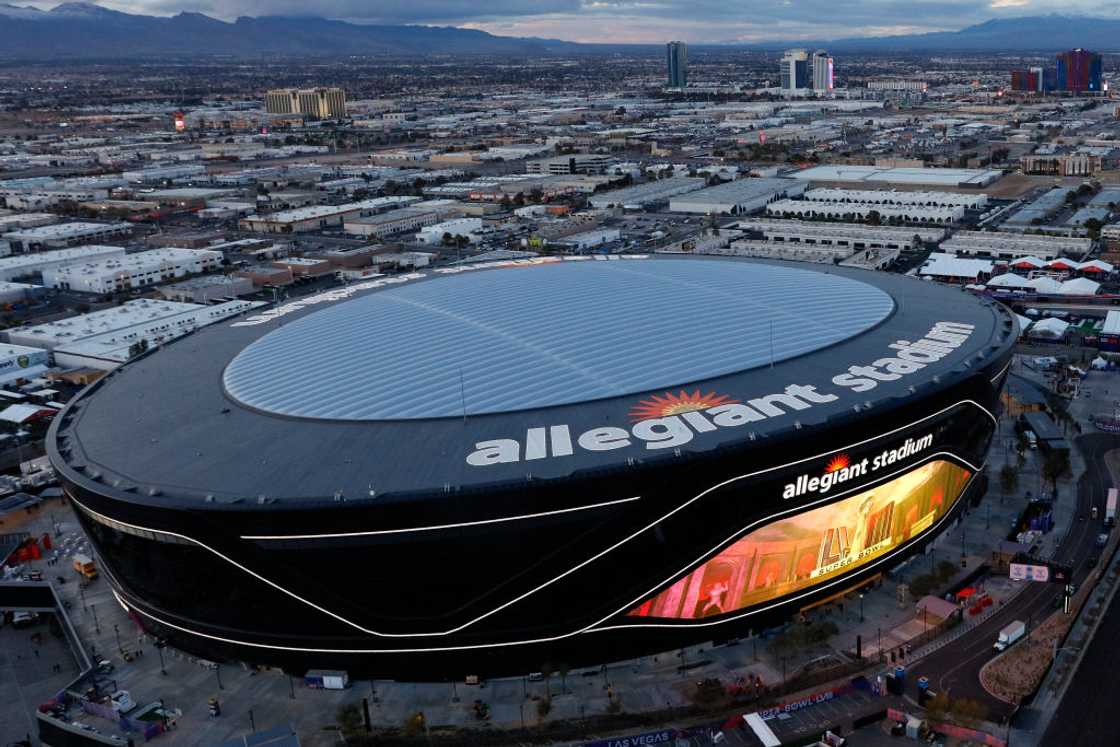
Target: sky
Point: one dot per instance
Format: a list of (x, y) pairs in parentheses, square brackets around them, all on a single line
[(646, 21)]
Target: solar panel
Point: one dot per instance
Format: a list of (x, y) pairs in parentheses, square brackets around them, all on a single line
[(506, 340)]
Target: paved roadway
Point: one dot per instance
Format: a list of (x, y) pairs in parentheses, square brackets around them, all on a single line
[(1087, 713), (956, 668)]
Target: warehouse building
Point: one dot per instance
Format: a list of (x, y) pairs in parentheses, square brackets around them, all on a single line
[(208, 289), (20, 221), (27, 265), (846, 211), (433, 234), (319, 217), (737, 197), (892, 197), (908, 175), (852, 236), (103, 337), (648, 194), (63, 235), (115, 274), (1008, 246), (404, 220)]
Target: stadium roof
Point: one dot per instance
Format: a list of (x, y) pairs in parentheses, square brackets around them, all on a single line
[(543, 357), (504, 341)]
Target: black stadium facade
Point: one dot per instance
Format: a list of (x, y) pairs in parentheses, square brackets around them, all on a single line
[(474, 470)]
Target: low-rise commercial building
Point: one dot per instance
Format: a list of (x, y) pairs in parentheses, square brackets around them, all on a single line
[(893, 197), (304, 266), (851, 236), (319, 217), (116, 274), (648, 194), (433, 234), (28, 265), (737, 197), (1007, 246), (61, 235), (846, 211), (208, 289), (404, 220)]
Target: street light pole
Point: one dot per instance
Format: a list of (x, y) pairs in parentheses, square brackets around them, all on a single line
[(861, 606), (218, 674), (96, 624), (117, 633)]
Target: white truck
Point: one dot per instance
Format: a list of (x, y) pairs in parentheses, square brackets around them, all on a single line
[(1011, 632), (1110, 508)]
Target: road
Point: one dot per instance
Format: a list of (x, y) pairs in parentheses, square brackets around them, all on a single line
[(956, 668), (1086, 715)]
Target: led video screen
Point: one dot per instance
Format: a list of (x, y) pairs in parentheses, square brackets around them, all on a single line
[(799, 552)]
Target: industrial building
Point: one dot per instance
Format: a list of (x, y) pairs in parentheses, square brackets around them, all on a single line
[(102, 339), (404, 220), (736, 198), (27, 265), (18, 221), (657, 192), (846, 211), (535, 480), (849, 236), (1007, 246), (319, 217), (901, 175), (61, 235), (894, 197), (121, 273), (313, 103), (208, 289), (466, 227)]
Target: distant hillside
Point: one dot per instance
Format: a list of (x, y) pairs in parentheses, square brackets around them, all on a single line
[(1029, 33), (89, 31), (86, 30)]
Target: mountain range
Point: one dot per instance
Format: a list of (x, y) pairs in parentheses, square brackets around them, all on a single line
[(80, 30)]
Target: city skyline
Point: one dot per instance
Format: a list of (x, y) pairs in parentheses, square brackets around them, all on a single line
[(621, 22)]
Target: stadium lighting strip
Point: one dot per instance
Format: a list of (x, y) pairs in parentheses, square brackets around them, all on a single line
[(434, 527), (588, 629), (999, 375), (574, 568)]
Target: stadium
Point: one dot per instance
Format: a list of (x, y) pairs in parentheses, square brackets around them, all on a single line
[(477, 469)]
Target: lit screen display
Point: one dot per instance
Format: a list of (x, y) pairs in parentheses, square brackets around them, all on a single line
[(802, 551)]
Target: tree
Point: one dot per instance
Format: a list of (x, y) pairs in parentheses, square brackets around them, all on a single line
[(874, 219), (937, 707), (1008, 479), (547, 670), (1055, 467)]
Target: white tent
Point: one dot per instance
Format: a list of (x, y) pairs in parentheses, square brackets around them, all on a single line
[(1027, 263), (22, 413), (1096, 265), (1009, 280), (1024, 323), (1054, 329), (1079, 287), (1045, 284), (1099, 363)]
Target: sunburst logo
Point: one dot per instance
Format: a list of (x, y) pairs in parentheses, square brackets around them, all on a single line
[(837, 463), (660, 406)]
